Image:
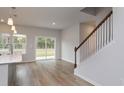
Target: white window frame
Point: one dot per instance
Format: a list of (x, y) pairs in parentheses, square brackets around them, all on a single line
[(25, 44)]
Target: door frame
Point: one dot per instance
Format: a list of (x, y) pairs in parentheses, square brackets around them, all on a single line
[(53, 38)]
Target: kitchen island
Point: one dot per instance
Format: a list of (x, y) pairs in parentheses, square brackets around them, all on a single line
[(8, 69)]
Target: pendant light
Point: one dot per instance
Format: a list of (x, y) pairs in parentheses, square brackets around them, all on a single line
[(10, 21), (15, 32), (13, 27)]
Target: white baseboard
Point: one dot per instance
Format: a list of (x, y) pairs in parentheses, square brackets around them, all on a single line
[(70, 61), (87, 79), (39, 60)]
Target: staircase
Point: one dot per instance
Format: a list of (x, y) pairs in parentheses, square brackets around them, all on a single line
[(103, 34)]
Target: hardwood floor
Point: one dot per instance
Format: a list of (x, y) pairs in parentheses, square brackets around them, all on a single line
[(47, 73)]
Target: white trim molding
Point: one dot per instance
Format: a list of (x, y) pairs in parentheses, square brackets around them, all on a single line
[(87, 79)]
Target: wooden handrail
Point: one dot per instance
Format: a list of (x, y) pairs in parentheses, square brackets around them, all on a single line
[(76, 48)]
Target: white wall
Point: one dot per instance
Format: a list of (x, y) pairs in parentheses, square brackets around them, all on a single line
[(102, 13), (31, 33), (107, 66), (85, 30), (89, 47), (70, 39)]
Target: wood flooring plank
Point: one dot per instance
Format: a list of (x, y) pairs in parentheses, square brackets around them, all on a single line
[(48, 73)]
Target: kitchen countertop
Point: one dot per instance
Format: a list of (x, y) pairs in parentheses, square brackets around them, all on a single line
[(9, 59)]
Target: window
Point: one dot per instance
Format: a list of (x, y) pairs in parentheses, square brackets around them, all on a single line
[(4, 43), (19, 44)]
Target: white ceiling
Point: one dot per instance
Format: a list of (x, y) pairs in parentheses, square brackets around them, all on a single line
[(44, 16)]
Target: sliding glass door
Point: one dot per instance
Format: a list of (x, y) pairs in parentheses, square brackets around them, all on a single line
[(40, 48), (50, 48), (45, 48)]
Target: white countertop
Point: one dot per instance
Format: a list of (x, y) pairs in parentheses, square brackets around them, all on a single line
[(8, 59)]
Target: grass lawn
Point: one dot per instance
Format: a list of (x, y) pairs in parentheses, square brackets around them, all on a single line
[(42, 52)]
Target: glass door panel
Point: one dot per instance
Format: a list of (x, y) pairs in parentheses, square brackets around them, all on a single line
[(41, 48), (45, 48), (50, 48)]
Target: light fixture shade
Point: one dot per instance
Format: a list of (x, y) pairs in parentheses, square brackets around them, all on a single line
[(10, 21), (13, 28), (15, 32)]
